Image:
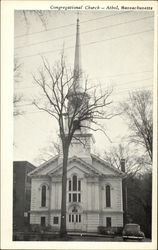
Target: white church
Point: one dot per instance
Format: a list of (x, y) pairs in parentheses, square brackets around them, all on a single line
[(94, 187)]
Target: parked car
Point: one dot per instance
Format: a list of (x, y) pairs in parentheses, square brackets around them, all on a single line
[(133, 232)]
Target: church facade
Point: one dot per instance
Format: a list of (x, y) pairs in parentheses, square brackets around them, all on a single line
[(94, 187), (94, 194)]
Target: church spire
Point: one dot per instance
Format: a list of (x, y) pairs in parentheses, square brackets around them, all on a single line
[(77, 62)]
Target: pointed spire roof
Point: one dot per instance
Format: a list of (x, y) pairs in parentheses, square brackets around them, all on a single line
[(77, 62)]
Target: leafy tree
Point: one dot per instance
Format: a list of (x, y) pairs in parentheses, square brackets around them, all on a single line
[(140, 201), (73, 107)]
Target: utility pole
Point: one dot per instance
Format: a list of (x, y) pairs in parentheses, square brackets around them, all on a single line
[(124, 193)]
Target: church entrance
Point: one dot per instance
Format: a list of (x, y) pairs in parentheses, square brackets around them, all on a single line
[(74, 219)]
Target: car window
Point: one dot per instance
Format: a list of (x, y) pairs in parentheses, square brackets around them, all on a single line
[(132, 227)]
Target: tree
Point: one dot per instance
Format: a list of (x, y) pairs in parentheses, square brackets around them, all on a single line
[(140, 201), (17, 98), (137, 111), (46, 153), (136, 166), (27, 17), (73, 107), (134, 162)]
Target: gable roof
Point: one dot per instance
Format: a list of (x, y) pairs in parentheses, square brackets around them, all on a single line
[(86, 165), (106, 164), (43, 165)]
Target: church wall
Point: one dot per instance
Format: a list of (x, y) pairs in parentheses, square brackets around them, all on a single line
[(93, 200), (116, 219), (116, 194), (56, 195), (36, 186), (92, 222), (55, 226), (35, 218)]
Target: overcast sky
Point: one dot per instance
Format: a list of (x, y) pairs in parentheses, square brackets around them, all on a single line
[(116, 49)]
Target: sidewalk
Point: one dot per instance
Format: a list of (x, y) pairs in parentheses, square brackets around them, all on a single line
[(85, 234)]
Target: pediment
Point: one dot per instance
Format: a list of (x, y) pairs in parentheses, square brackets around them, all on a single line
[(104, 167), (99, 167), (45, 168), (75, 165)]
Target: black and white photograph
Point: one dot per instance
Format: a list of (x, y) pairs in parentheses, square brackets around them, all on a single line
[(83, 108)]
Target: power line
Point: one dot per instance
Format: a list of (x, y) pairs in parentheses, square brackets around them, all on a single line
[(71, 24), (85, 32), (123, 90), (123, 74), (30, 87), (86, 44), (126, 83), (115, 94), (96, 79)]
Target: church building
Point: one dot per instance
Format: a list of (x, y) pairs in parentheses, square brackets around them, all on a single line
[(94, 187)]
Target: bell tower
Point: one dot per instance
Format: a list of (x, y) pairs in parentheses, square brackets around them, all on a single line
[(83, 140)]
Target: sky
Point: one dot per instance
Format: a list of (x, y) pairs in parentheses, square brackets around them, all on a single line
[(116, 51)]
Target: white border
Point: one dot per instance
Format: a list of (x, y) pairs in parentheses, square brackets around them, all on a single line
[(7, 16)]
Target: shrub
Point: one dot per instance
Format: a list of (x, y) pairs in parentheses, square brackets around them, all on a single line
[(110, 230)]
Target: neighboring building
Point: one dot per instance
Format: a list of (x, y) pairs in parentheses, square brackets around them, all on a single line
[(21, 194), (94, 187)]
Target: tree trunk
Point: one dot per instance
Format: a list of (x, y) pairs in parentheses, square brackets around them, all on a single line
[(63, 230)]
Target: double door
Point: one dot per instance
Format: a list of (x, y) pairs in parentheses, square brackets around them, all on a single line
[(74, 220)]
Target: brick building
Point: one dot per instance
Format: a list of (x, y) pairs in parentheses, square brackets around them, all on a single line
[(21, 194)]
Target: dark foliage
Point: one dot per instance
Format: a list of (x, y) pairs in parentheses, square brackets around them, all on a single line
[(140, 201)]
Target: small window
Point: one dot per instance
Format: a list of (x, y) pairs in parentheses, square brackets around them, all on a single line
[(43, 221), (108, 221), (70, 185), (72, 217), (79, 197), (74, 197), (56, 220), (69, 217), (76, 124), (108, 198), (74, 183), (76, 217), (69, 197), (79, 218), (79, 185)]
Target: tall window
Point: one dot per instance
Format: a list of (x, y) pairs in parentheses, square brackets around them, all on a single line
[(74, 189), (43, 196), (108, 196)]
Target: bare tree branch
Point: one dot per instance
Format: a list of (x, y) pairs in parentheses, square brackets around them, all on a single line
[(73, 107), (138, 113)]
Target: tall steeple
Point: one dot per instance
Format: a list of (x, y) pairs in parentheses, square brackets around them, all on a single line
[(77, 62), (82, 142)]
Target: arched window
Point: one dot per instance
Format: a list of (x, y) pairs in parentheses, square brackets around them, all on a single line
[(43, 196), (108, 196)]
